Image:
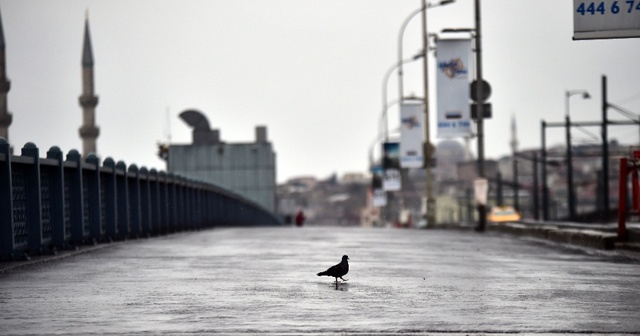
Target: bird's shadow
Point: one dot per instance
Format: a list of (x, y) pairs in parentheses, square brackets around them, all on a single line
[(342, 286)]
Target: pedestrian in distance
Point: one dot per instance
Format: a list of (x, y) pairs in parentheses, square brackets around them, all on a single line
[(300, 218)]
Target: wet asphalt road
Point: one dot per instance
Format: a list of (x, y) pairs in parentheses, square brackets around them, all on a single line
[(250, 280)]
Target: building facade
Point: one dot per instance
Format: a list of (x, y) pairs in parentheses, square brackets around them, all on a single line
[(248, 169)]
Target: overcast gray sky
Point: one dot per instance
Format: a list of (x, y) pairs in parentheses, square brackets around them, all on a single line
[(310, 70)]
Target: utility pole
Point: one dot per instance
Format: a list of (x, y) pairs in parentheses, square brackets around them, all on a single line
[(605, 148), (482, 209), (543, 159), (571, 203), (536, 212), (428, 150)]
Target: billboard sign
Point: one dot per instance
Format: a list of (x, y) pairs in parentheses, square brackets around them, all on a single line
[(411, 134), (606, 19), (391, 165), (481, 190), (452, 79), (379, 196)]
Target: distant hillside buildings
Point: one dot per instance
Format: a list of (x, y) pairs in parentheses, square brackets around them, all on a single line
[(345, 200)]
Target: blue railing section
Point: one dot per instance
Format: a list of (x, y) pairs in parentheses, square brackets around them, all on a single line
[(53, 203)]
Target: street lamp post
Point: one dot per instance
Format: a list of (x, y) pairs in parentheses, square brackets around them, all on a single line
[(482, 209), (428, 148), (476, 34), (543, 155), (385, 83), (401, 37), (428, 151), (570, 189)]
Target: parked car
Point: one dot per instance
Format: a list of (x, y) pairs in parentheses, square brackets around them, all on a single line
[(501, 214)]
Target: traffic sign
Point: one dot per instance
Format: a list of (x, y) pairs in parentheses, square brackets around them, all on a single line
[(486, 111), (486, 90)]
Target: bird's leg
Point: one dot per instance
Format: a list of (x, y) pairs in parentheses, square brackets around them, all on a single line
[(343, 279), (336, 283)]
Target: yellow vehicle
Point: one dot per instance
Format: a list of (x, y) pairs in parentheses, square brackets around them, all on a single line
[(500, 214)]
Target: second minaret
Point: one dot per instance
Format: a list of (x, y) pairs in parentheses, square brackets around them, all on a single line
[(88, 100)]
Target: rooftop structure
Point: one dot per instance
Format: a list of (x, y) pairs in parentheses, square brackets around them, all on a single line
[(248, 169)]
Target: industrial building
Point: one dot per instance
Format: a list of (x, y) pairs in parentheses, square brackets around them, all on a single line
[(248, 169)]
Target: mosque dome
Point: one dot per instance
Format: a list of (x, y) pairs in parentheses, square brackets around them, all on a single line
[(450, 151)]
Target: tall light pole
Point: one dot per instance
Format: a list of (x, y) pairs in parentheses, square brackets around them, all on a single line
[(482, 210), (428, 147), (570, 190), (477, 34)]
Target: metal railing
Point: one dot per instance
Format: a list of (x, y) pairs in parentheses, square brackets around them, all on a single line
[(53, 203)]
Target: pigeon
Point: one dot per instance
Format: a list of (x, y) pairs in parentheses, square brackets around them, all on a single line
[(337, 271)]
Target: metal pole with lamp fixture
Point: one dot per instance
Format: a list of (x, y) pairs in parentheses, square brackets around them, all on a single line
[(429, 149), (482, 209), (401, 37), (385, 83), (571, 196)]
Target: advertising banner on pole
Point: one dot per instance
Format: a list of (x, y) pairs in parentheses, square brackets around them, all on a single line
[(379, 196), (411, 136), (391, 165), (452, 79), (481, 190)]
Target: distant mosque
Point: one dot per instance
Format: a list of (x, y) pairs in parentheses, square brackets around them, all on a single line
[(248, 169), (89, 132), (5, 85)]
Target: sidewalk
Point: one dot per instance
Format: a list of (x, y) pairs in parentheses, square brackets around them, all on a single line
[(263, 281), (598, 236)]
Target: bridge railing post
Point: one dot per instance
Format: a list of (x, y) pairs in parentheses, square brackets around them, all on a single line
[(92, 176), (33, 198), (145, 202), (133, 186), (172, 202), (622, 200), (122, 200), (192, 211), (108, 182), (6, 202), (186, 205), (208, 207), (184, 208), (56, 193), (164, 202), (74, 200), (180, 202)]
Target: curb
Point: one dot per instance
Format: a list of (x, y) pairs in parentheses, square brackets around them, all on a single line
[(602, 237), (9, 266), (598, 238), (587, 238)]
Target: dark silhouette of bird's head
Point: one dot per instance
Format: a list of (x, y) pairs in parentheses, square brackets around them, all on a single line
[(345, 258)]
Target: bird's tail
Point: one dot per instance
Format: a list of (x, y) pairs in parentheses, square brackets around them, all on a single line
[(322, 273)]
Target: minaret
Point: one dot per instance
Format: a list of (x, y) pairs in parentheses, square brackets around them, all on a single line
[(88, 131), (514, 135), (5, 85)]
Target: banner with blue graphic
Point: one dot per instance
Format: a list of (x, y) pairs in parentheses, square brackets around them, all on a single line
[(391, 165), (411, 135), (378, 195), (452, 78)]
